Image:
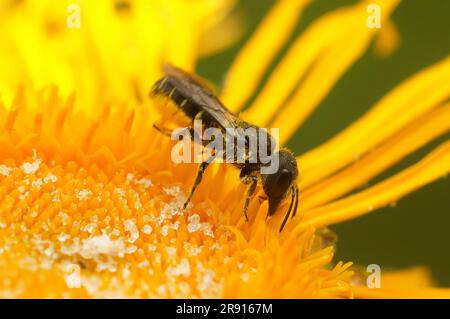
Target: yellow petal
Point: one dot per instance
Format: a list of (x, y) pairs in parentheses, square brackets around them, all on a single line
[(433, 166), (254, 58), (317, 60), (412, 137), (387, 40), (221, 36), (415, 277), (395, 110)]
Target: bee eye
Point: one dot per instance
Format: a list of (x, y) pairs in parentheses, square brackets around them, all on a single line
[(284, 179)]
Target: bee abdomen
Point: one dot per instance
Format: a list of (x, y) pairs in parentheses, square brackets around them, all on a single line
[(165, 88)]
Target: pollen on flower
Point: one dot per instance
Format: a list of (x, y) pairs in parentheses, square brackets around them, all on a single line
[(84, 194), (194, 223), (131, 229), (147, 229), (122, 224), (182, 269), (5, 170)]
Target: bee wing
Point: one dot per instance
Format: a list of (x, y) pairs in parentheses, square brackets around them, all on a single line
[(201, 95)]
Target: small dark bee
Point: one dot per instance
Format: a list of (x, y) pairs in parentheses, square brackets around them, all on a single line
[(194, 101)]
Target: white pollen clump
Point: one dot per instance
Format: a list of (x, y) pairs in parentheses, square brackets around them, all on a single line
[(131, 249), (5, 170), (94, 218), (115, 232), (84, 194), (176, 225), (245, 277), (108, 265), (50, 178), (215, 246), (165, 230), (64, 218), (191, 249), (162, 290), (207, 229), (63, 237), (23, 192), (37, 183), (193, 223), (49, 251), (144, 182), (130, 177), (73, 280), (144, 264), (31, 167), (149, 218), (138, 204), (119, 191), (172, 191), (56, 196), (157, 258), (175, 206), (101, 245), (133, 232), (126, 273), (207, 284), (147, 229), (90, 228), (171, 251), (182, 269)]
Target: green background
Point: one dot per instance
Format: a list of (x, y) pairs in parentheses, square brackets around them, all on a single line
[(417, 230)]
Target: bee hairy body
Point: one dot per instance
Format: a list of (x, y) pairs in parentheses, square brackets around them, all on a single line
[(184, 99)]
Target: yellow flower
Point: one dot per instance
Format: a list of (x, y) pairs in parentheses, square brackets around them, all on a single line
[(91, 205)]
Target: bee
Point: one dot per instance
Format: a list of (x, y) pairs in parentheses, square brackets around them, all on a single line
[(193, 100)]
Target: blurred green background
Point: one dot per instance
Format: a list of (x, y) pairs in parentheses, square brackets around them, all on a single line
[(417, 230)]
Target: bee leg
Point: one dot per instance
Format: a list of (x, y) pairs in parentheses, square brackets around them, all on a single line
[(198, 178), (169, 132), (163, 130), (250, 191)]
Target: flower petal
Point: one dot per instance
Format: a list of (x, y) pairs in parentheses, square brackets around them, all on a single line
[(387, 40), (393, 112), (247, 70), (317, 60), (433, 166), (414, 136)]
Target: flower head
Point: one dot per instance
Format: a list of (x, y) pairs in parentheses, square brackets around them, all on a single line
[(91, 204)]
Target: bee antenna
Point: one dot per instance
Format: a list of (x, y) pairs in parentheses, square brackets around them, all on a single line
[(288, 212), (295, 188)]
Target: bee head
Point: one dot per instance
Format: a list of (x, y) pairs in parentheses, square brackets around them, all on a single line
[(277, 185)]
